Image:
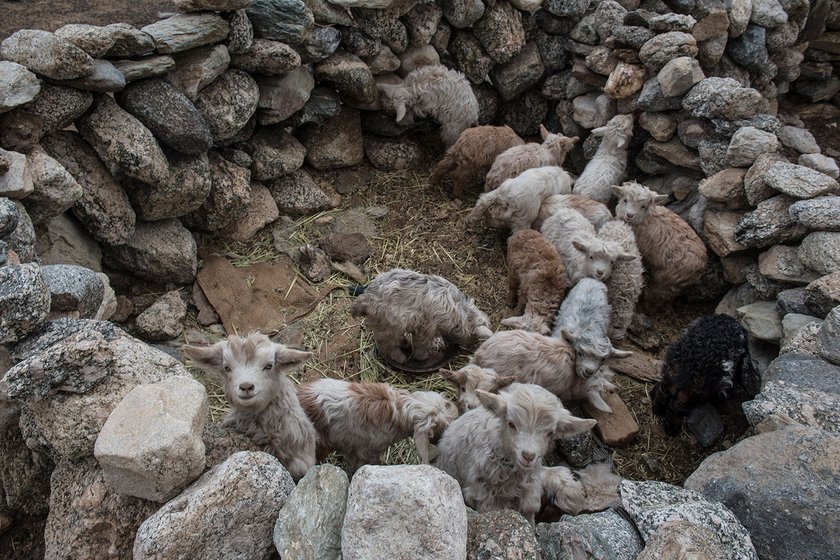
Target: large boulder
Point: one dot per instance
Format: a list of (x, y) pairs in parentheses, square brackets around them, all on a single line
[(228, 199), (163, 320), (44, 53), (73, 289), (88, 518), (151, 445), (784, 486), (228, 103), (63, 241), (409, 511), (309, 525), (182, 32), (606, 535), (55, 189), (335, 143), (289, 21), (71, 378), (227, 513), (162, 252), (500, 534), (185, 189), (280, 97), (24, 301), (24, 472), (17, 85), (55, 108), (197, 68), (797, 403)]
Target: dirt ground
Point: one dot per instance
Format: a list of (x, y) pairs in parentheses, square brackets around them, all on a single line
[(52, 14)]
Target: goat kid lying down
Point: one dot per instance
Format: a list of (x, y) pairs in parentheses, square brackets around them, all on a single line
[(495, 451), (471, 378), (264, 405), (361, 420)]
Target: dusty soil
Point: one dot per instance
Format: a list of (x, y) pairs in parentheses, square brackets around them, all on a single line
[(52, 14)]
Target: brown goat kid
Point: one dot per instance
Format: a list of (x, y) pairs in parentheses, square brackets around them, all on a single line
[(536, 281), (473, 154)]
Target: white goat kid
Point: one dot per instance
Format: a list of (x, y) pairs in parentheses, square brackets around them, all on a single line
[(495, 451), (472, 378), (264, 405), (609, 164)]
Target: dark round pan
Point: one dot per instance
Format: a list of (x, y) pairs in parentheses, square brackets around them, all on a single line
[(434, 363)]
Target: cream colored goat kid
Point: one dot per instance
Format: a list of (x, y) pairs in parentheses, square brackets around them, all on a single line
[(609, 164), (264, 405), (360, 420), (513, 161), (472, 378)]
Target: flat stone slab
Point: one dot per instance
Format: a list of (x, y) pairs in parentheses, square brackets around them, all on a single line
[(617, 428), (641, 366)]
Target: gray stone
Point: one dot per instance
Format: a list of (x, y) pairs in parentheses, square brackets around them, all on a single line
[(665, 47), (525, 113), (671, 22), (462, 13), (319, 44), (766, 288), (151, 446), (749, 48), (44, 53), (605, 535), (727, 187), (24, 300), (129, 42), (416, 56), (228, 199), (168, 114), (567, 8), (800, 182), (592, 110), (22, 239), (163, 252), (823, 295), (755, 187), (804, 341), (104, 208), (651, 504), (652, 99), (422, 21), (383, 25), (739, 16), (724, 98), (270, 58), (820, 251), (73, 288), (792, 301), (633, 36), (335, 143), (762, 320), (821, 213), (392, 154), (210, 5), (769, 224), (9, 217), (16, 182), (349, 75), (288, 21), (470, 57), (781, 263), (787, 495), (712, 156), (148, 67), (828, 339), (122, 142), (283, 96), (102, 525), (673, 152), (96, 41), (68, 390), (309, 525), (409, 511), (163, 320), (747, 144), (185, 189), (500, 534), (261, 211), (385, 61), (661, 127), (196, 69), (521, 72), (62, 241), (792, 323), (104, 78), (275, 153), (241, 34), (679, 75), (314, 263), (821, 163), (207, 518), (817, 90), (500, 31), (682, 539), (798, 139), (553, 51), (809, 407), (182, 32), (17, 85), (228, 103), (299, 195), (705, 424), (608, 15), (768, 13), (322, 104)]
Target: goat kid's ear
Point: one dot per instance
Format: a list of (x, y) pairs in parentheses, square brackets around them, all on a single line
[(289, 358), (579, 245), (206, 357), (618, 190), (616, 353), (504, 380), (660, 198), (573, 140), (544, 133), (456, 377), (600, 131), (400, 107), (568, 335), (569, 425), (625, 257), (494, 403)]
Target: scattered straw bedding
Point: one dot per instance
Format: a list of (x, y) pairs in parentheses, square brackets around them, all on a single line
[(425, 230)]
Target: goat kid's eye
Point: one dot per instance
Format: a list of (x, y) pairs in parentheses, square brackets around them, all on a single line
[(511, 426), (227, 369), (268, 367)]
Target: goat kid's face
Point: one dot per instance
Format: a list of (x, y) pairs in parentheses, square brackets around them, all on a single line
[(600, 257), (472, 378), (249, 367), (589, 358), (635, 201)]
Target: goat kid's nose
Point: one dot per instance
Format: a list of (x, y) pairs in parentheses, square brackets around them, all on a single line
[(528, 456), (246, 387)]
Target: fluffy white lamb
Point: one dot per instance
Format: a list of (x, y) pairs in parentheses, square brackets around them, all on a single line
[(264, 405), (516, 204), (584, 254), (433, 91), (472, 378), (583, 321), (625, 284), (546, 361), (360, 420), (513, 161), (609, 164), (598, 214), (673, 254), (409, 313), (495, 451)]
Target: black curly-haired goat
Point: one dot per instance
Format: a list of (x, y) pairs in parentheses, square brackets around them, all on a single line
[(709, 363)]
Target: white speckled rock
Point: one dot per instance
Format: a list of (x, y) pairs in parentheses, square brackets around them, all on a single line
[(747, 144), (800, 182), (821, 213), (44, 53), (17, 85), (798, 139), (821, 163), (820, 251)]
